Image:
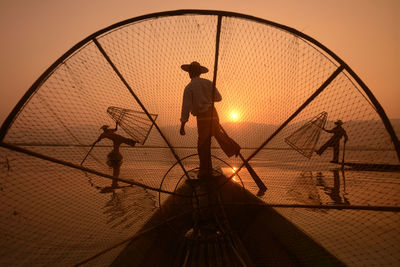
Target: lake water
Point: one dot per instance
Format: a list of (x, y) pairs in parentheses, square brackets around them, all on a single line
[(56, 215)]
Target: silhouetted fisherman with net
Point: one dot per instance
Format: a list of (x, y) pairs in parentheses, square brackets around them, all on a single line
[(334, 141), (114, 158), (198, 100)]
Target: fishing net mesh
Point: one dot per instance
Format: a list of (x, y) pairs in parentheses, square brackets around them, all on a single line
[(57, 211)]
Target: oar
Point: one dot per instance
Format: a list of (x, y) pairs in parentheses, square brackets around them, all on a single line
[(262, 187), (89, 152), (346, 201)]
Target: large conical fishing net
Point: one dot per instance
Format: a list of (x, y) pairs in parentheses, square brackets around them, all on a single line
[(306, 137), (272, 79)]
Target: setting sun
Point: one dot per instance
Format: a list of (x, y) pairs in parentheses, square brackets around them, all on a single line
[(234, 116)]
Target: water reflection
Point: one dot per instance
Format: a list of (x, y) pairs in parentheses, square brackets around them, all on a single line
[(115, 208), (126, 205), (304, 190), (313, 188), (337, 193)]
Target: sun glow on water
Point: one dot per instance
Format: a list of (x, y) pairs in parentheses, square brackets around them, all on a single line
[(235, 178)]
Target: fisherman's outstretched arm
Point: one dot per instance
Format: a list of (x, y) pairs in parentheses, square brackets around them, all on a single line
[(99, 138)]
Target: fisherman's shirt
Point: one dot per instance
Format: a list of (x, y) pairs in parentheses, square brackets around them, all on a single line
[(197, 97)]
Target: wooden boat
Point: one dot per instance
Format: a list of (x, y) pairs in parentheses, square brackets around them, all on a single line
[(228, 226)]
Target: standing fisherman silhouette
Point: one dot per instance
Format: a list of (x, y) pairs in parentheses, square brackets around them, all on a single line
[(334, 141), (114, 158), (198, 100)]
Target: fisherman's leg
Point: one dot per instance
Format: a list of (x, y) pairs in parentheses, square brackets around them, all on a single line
[(129, 141), (336, 152), (114, 183), (323, 148), (203, 148), (204, 145), (116, 169), (227, 144)]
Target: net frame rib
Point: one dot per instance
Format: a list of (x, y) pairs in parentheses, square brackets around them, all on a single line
[(214, 81)]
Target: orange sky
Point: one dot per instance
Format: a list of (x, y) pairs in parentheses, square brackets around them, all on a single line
[(364, 33)]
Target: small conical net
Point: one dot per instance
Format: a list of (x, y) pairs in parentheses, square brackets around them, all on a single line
[(306, 137), (135, 123)]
